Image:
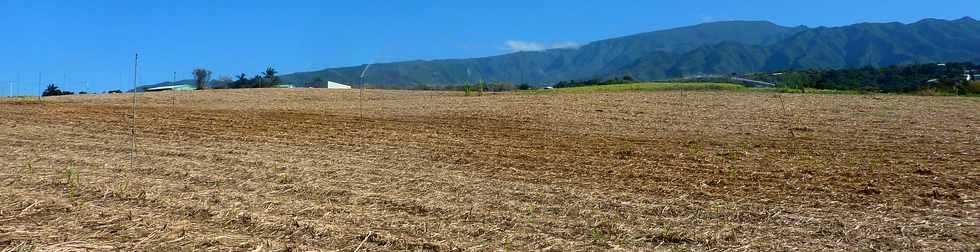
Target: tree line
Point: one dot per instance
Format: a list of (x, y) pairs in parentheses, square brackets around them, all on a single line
[(265, 79), (595, 82), (948, 77)]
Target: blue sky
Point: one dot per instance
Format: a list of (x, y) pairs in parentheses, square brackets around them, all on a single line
[(94, 41)]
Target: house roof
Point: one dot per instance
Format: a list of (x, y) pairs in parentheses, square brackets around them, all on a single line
[(334, 85), (173, 87)]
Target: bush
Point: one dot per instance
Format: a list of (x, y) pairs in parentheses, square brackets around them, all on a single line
[(53, 90), (934, 92), (501, 87), (973, 87)]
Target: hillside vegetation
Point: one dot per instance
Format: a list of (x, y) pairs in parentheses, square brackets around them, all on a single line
[(713, 48), (653, 87), (705, 49), (948, 77)]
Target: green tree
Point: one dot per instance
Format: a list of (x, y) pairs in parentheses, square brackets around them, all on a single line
[(242, 81), (270, 75), (798, 80), (258, 82), (318, 82), (973, 87), (52, 90)]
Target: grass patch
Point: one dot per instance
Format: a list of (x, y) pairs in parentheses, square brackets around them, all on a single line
[(658, 87), (72, 182), (21, 247), (652, 87)]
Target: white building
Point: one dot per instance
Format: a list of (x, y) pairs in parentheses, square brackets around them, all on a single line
[(334, 85), (971, 75)]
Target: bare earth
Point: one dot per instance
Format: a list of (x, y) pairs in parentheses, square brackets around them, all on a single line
[(308, 169)]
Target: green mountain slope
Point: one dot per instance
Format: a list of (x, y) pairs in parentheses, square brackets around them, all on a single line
[(706, 49), (876, 45), (592, 60)]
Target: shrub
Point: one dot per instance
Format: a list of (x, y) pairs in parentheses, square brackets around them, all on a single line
[(933, 92), (53, 90), (973, 87), (501, 87), (72, 181)]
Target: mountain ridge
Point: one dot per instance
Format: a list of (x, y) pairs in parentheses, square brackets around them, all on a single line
[(709, 48)]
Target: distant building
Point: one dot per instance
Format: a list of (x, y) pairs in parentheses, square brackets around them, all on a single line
[(334, 85), (753, 83), (284, 86), (173, 87)]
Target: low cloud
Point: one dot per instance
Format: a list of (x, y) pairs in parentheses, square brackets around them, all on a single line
[(524, 46), (529, 46), (566, 45)]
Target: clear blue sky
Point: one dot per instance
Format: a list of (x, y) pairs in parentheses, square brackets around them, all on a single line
[(94, 41)]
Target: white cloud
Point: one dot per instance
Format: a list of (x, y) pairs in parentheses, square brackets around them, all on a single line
[(566, 45), (524, 46), (529, 46)]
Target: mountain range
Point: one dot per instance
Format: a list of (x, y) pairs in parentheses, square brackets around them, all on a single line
[(705, 49)]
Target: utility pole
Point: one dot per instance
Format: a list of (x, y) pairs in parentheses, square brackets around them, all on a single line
[(40, 88), (173, 98), (360, 100), (132, 153)]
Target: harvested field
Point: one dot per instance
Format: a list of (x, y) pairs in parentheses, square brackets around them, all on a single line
[(310, 169)]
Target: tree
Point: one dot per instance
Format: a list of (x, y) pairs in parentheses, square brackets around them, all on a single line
[(270, 75), (797, 80), (201, 78), (973, 87), (241, 82), (318, 82), (258, 81), (53, 90), (224, 81)]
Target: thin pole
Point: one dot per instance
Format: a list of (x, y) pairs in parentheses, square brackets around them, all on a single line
[(173, 99), (360, 99), (132, 153), (40, 88)]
